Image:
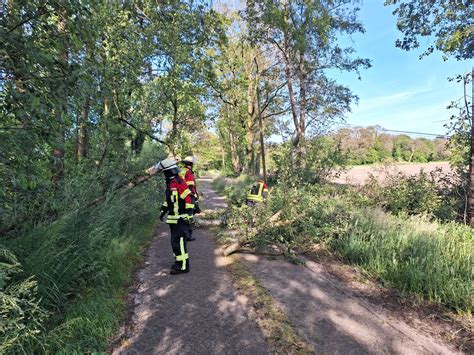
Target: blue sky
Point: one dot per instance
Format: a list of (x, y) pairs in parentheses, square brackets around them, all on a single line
[(400, 91)]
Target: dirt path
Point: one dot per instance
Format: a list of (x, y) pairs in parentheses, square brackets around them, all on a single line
[(330, 317), (196, 313), (202, 313)]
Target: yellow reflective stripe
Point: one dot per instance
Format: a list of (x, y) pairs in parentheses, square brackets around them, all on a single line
[(165, 204), (175, 202), (265, 190), (185, 193), (183, 252), (189, 205), (254, 198), (260, 189), (190, 183), (171, 221), (178, 216), (182, 257)]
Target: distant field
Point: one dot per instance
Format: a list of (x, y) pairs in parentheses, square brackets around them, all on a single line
[(357, 175)]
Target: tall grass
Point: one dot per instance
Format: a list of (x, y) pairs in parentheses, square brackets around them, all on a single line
[(431, 260), (82, 263)]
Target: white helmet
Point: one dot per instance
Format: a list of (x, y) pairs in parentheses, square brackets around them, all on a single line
[(166, 164), (189, 159)]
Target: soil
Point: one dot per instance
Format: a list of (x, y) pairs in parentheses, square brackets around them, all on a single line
[(357, 175), (334, 317)]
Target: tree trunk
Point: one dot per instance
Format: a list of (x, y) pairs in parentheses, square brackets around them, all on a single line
[(262, 141), (470, 184), (302, 123), (82, 134), (58, 150)]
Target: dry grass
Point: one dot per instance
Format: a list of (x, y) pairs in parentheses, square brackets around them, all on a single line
[(275, 325)]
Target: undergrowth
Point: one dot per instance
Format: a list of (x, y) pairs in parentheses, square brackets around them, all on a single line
[(75, 273), (63, 280), (414, 254)]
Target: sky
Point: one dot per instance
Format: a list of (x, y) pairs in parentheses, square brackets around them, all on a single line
[(400, 91)]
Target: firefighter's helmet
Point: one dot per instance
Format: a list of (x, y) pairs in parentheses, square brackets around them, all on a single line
[(189, 160), (169, 167)]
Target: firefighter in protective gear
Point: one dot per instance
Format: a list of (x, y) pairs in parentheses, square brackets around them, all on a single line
[(258, 192), (179, 206), (190, 179)]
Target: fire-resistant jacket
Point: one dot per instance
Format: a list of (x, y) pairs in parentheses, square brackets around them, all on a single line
[(179, 201), (258, 191), (191, 181)]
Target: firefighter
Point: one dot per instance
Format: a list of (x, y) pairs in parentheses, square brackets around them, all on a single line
[(190, 179), (179, 205), (258, 192)]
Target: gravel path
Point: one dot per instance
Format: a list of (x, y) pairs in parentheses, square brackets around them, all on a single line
[(196, 313), (330, 317)]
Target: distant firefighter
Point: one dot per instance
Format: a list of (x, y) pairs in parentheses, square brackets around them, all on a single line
[(258, 192)]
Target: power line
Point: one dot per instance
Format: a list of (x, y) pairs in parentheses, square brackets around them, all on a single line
[(419, 133), (399, 131)]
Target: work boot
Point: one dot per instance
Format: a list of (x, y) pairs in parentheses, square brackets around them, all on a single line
[(190, 239), (176, 270)]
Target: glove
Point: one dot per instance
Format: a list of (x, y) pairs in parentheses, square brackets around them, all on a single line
[(189, 219), (197, 209), (162, 216)]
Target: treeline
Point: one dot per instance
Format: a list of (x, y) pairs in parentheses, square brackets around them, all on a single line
[(91, 94), (370, 145)]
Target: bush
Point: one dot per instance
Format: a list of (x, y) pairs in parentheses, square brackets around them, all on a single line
[(400, 193), (323, 159), (437, 195)]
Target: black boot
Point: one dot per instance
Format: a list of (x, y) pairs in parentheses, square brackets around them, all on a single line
[(176, 269)]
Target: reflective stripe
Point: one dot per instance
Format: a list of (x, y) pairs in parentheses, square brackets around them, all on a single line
[(182, 257), (178, 216), (265, 190), (185, 193), (183, 252), (171, 221), (189, 205), (165, 204), (190, 183), (254, 198), (260, 189), (174, 199)]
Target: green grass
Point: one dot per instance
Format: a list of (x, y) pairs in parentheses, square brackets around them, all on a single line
[(83, 264), (418, 257)]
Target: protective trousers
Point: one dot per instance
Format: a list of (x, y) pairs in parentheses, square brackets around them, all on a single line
[(179, 236)]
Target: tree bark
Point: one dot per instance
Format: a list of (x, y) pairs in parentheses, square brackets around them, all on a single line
[(470, 183), (58, 150), (82, 134), (302, 122), (262, 141)]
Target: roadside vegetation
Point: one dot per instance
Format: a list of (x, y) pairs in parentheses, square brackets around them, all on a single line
[(402, 233), (63, 282)]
